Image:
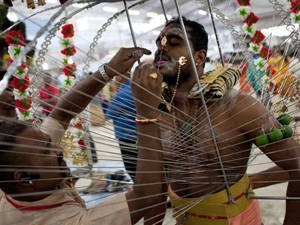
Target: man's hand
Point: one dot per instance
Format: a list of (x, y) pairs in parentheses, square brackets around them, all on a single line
[(146, 90), (124, 59)]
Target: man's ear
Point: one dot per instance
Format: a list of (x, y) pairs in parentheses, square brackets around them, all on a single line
[(17, 175), (200, 57), (22, 177)]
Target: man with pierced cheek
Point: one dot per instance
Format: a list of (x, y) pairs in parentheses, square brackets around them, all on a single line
[(207, 132)]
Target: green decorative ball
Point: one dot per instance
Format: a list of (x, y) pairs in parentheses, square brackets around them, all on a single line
[(261, 139), (284, 119), (275, 135), (287, 131)]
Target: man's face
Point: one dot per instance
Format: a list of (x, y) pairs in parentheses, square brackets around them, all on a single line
[(38, 156), (167, 56)]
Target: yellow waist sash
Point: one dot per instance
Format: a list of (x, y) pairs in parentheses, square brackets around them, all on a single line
[(214, 209)]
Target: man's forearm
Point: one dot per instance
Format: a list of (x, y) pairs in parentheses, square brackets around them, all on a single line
[(148, 199), (75, 100), (273, 175)]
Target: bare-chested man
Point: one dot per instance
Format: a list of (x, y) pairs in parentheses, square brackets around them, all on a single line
[(206, 168)]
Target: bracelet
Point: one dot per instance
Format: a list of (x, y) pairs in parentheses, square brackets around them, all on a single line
[(103, 73), (145, 121)]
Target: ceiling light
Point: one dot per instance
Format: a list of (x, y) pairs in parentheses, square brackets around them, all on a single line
[(82, 24), (45, 66), (12, 16), (110, 9), (156, 32), (279, 31), (52, 1), (152, 14), (80, 5), (134, 12), (202, 12)]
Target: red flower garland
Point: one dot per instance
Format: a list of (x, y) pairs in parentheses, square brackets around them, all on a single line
[(20, 84), (295, 6), (69, 51), (69, 69), (67, 31), (265, 53), (20, 80), (258, 37), (23, 104), (244, 2), (14, 37), (295, 10), (251, 19)]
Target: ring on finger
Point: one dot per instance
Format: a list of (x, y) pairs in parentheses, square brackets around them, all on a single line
[(135, 54), (153, 75)]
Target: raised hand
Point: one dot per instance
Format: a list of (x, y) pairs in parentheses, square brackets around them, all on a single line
[(124, 59), (146, 90)]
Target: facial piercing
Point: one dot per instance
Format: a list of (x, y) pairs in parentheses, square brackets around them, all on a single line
[(163, 41), (182, 60), (153, 75)]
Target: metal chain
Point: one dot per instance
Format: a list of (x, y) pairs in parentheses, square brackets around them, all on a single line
[(281, 11), (237, 36), (99, 35)]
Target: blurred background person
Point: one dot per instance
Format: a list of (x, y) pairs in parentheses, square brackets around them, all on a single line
[(48, 94), (122, 112), (96, 113)]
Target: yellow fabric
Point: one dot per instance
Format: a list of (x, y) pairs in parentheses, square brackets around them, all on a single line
[(213, 209), (281, 67)]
